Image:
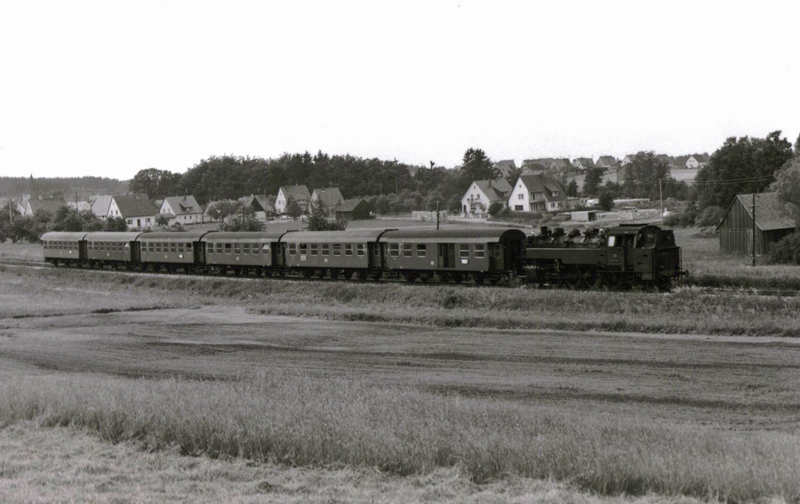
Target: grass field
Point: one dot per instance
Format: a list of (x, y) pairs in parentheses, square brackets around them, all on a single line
[(437, 393)]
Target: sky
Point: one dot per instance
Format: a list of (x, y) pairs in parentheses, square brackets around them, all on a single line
[(110, 88)]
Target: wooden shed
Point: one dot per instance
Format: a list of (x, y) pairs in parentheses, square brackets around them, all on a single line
[(772, 224), (355, 209)]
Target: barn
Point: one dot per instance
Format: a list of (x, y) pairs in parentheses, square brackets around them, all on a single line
[(772, 224), (355, 209)]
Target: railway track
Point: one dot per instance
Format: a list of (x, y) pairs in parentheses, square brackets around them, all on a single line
[(42, 264)]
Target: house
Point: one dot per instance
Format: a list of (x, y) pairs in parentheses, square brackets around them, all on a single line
[(505, 167), (583, 163), (773, 222), (561, 165), (697, 161), (298, 193), (262, 205), (34, 205), (537, 193), (100, 206), (329, 199), (537, 164), (80, 206), (137, 210), (181, 209), (355, 209), (606, 162), (481, 194), (628, 159)]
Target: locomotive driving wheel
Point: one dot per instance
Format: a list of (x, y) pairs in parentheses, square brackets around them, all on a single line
[(593, 279), (573, 279)]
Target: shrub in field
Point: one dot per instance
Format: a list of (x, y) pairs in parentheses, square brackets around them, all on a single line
[(495, 208), (710, 216), (787, 250)]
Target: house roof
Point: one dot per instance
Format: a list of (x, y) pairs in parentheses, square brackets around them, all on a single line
[(543, 162), (296, 192), (495, 190), (331, 194), (135, 205), (267, 203), (506, 166), (101, 204), (562, 164), (770, 211), (585, 161), (607, 160), (45, 205), (545, 184), (701, 158), (350, 205), (183, 205)]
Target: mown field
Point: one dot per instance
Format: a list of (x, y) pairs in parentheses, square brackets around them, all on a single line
[(460, 393)]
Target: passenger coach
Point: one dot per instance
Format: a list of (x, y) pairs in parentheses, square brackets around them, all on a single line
[(244, 252)]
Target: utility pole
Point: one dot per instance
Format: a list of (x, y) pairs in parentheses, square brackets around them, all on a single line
[(754, 230), (437, 216), (661, 200)]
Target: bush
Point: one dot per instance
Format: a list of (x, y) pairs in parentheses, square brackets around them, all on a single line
[(495, 208), (787, 250)]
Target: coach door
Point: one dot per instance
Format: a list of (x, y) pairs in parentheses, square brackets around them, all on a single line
[(375, 255), (447, 255)]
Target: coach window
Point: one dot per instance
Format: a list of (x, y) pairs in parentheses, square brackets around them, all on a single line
[(265, 248), (292, 248), (612, 241), (422, 250), (408, 249), (337, 249), (376, 250), (498, 251), (173, 247), (480, 251), (180, 248), (189, 247), (237, 249), (303, 248), (228, 248), (394, 249), (360, 249), (348, 249), (314, 249), (246, 248), (463, 251), (325, 249), (256, 248)]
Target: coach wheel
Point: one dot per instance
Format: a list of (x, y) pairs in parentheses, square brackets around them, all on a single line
[(308, 273), (348, 274), (494, 280), (443, 277), (480, 278), (424, 277), (361, 275), (593, 279), (410, 276), (458, 278), (321, 273), (664, 284), (378, 275)]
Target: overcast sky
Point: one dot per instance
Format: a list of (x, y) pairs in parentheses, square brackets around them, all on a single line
[(108, 88)]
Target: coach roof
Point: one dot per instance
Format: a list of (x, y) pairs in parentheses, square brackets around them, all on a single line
[(63, 237), (483, 235), (244, 236), (172, 236), (112, 237), (354, 236)]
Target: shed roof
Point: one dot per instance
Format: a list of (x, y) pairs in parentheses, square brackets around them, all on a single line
[(332, 194), (46, 205), (354, 236), (770, 211), (297, 192), (60, 236), (113, 236), (472, 235), (351, 204)]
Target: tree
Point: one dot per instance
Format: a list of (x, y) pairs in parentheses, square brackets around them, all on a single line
[(594, 176), (572, 188), (115, 224), (495, 208), (797, 146), (7, 216), (741, 165), (787, 185), (318, 222), (643, 174), (293, 210), (243, 220), (162, 221), (156, 183), (477, 166), (606, 200), (513, 175)]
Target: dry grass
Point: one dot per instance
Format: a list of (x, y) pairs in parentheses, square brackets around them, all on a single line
[(294, 420)]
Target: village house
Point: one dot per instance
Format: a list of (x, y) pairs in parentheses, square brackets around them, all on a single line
[(355, 209), (100, 206), (538, 164), (505, 167), (181, 209), (481, 194), (773, 222), (697, 161), (583, 163), (33, 205), (298, 193), (606, 162), (628, 159), (538, 193), (328, 198), (137, 210), (262, 205)]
